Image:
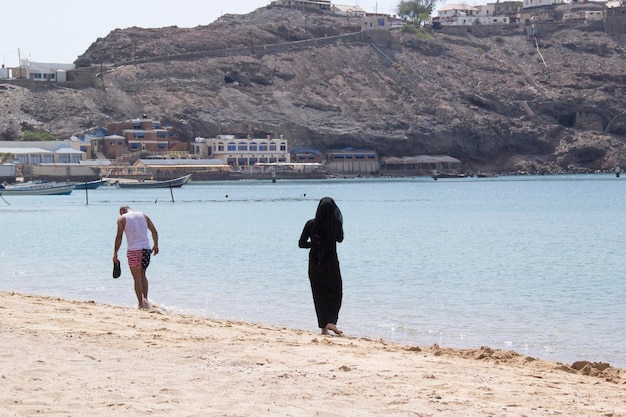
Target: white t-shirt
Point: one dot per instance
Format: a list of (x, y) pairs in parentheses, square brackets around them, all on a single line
[(136, 230)]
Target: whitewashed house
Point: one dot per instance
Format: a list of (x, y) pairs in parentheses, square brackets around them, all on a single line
[(39, 71), (541, 3), (487, 15), (458, 14), (347, 10)]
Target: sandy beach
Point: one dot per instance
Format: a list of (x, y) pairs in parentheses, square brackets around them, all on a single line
[(67, 358)]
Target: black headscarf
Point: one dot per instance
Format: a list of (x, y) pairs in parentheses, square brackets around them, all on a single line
[(329, 223)]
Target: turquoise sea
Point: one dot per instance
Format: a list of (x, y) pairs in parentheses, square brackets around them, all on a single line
[(533, 264)]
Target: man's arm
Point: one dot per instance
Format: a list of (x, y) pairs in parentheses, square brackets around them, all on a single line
[(121, 223), (155, 235)]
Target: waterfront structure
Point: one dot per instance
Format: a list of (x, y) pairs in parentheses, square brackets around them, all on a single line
[(159, 166), (306, 155), (352, 161), (419, 165), (37, 155), (47, 159), (242, 152)]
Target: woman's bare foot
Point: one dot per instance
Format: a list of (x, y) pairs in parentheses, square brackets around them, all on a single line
[(332, 327)]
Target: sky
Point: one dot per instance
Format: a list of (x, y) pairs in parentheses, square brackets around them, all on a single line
[(60, 31)]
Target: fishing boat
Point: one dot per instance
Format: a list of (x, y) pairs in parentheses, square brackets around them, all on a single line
[(36, 188), (173, 183), (92, 185)]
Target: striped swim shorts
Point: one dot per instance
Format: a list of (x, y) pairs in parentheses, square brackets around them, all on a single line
[(139, 258)]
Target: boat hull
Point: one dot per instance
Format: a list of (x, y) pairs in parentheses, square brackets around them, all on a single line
[(173, 183), (37, 189), (90, 185)]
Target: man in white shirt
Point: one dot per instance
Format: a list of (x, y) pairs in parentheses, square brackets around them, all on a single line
[(136, 225)]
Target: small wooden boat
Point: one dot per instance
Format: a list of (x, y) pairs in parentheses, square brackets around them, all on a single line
[(91, 185), (37, 188), (173, 183), (444, 175)]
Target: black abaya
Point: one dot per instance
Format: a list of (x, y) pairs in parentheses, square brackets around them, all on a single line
[(321, 236)]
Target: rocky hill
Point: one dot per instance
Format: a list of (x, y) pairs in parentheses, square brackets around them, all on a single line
[(499, 102)]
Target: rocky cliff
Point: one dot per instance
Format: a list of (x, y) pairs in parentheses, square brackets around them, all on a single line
[(499, 102)]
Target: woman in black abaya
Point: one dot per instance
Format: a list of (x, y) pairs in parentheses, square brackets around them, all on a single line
[(321, 235)]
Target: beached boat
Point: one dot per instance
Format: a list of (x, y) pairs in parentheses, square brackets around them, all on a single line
[(173, 183), (92, 185), (36, 188)]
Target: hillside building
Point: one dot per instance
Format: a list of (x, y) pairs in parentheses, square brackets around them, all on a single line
[(527, 4), (487, 14), (615, 18), (373, 22), (348, 10)]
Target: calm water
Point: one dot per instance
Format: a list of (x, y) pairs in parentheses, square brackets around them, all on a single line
[(533, 264)]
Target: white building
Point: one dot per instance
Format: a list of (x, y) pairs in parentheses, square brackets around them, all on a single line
[(242, 152), (467, 15), (375, 22), (320, 4), (5, 73), (37, 156), (39, 71), (43, 152), (346, 10), (540, 3), (487, 15), (458, 14)]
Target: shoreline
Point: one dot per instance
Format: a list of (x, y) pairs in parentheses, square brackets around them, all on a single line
[(84, 358)]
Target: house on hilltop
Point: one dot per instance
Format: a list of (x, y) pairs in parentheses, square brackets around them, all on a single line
[(346, 10), (318, 4), (39, 71), (541, 3), (615, 18)]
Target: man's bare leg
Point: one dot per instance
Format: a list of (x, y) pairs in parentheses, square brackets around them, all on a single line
[(144, 282), (139, 276)]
